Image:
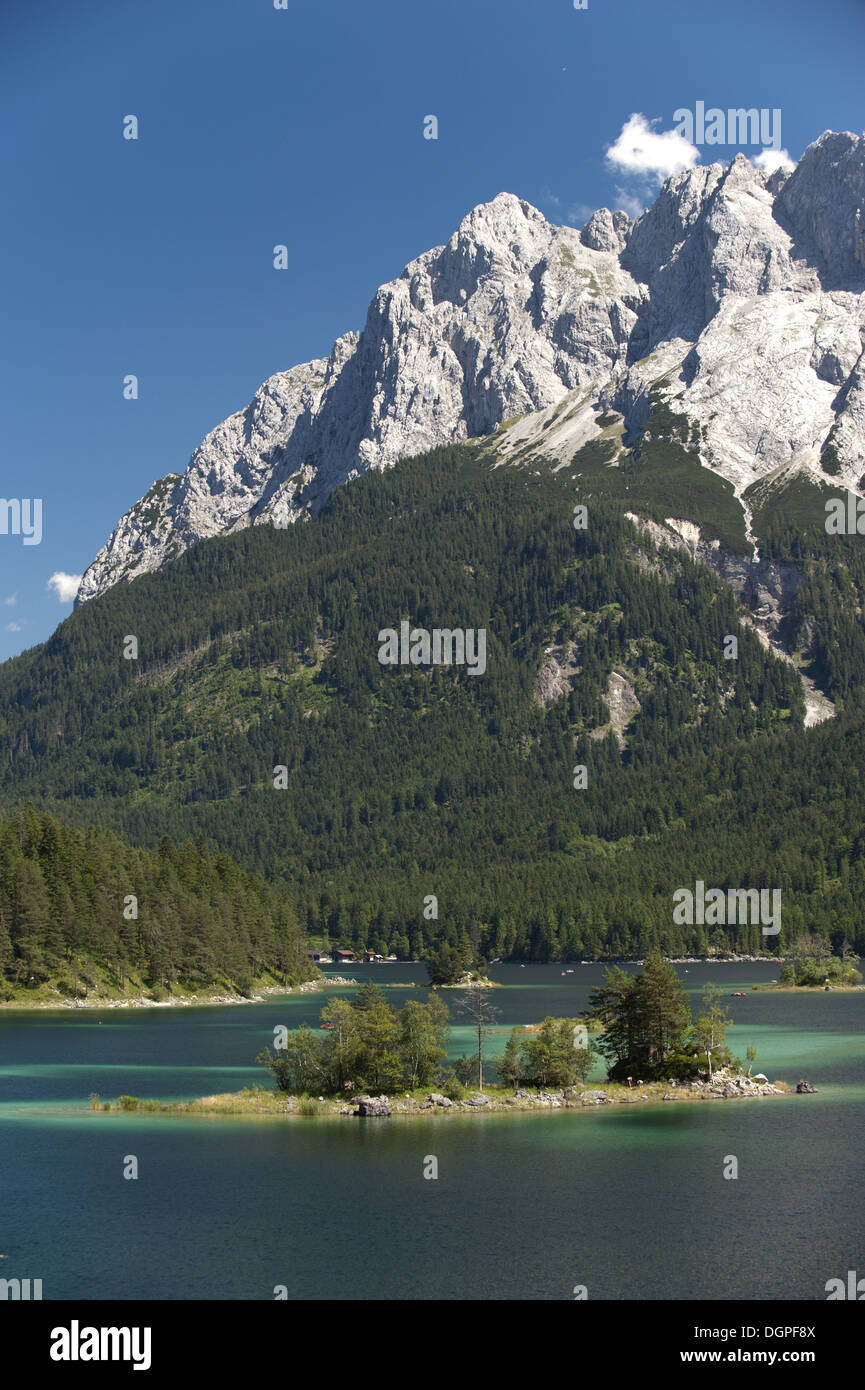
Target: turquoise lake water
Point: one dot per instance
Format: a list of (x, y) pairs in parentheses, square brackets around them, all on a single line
[(631, 1201)]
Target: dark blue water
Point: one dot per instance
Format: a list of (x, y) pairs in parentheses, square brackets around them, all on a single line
[(631, 1202)]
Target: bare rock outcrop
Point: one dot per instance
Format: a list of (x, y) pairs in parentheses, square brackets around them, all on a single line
[(739, 295)]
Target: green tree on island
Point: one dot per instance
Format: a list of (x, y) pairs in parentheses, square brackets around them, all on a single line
[(378, 1034), (423, 1036), (810, 961), (616, 1005), (648, 1033), (645, 1019), (511, 1068), (343, 1024), (549, 1057), (709, 1028), (664, 1007), (363, 1043), (300, 1065), (448, 964)]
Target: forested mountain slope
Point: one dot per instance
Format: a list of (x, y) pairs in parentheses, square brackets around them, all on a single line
[(259, 650)]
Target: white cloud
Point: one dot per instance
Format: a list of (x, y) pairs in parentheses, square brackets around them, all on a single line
[(13, 627), (649, 153), (64, 585), (770, 160), (11, 601)]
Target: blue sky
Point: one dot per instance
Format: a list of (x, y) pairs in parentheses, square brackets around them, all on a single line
[(303, 126)]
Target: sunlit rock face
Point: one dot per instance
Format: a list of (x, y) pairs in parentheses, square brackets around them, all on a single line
[(739, 294)]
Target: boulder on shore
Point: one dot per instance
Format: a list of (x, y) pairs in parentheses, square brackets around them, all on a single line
[(804, 1088), (370, 1106)]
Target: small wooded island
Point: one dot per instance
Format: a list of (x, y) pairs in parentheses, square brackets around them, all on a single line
[(811, 964), (369, 1059)]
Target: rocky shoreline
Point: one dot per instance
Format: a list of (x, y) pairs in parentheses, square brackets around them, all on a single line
[(180, 1001), (571, 1098), (185, 1001), (257, 1102)]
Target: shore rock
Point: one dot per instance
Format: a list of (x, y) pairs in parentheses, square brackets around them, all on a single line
[(804, 1088), (373, 1106)]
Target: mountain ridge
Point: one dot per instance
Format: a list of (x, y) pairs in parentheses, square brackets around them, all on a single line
[(738, 294)]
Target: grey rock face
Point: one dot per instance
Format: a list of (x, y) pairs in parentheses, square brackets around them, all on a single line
[(557, 673), (606, 231), (823, 205), (623, 705), (742, 296)]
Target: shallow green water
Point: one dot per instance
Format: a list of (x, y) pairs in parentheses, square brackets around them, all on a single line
[(631, 1202)]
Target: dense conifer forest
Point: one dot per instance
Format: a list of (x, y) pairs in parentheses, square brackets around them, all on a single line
[(259, 651), (84, 913)]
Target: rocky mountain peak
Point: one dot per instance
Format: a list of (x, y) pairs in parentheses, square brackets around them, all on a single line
[(822, 205), (742, 295), (607, 231)]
